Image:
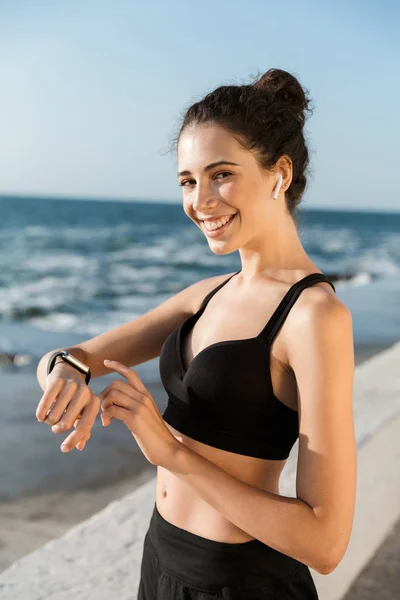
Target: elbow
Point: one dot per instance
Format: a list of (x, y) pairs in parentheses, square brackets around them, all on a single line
[(329, 563), (331, 550), (326, 568)]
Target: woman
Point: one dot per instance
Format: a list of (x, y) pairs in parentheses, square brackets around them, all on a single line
[(251, 362)]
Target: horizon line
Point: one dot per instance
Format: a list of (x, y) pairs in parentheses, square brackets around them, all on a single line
[(133, 199)]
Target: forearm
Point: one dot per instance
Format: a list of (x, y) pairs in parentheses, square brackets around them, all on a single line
[(286, 524), (41, 371)]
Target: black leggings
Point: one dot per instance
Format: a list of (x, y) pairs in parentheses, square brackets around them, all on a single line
[(180, 565)]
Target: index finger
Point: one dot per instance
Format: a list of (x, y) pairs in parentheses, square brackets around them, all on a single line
[(131, 375), (48, 398)]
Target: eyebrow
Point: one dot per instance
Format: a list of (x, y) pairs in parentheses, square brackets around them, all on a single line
[(211, 166)]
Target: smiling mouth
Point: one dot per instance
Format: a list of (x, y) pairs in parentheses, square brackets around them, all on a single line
[(219, 230)]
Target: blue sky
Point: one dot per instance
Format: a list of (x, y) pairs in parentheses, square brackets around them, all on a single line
[(93, 91)]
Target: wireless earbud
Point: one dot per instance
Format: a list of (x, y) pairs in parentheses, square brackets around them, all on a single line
[(277, 187)]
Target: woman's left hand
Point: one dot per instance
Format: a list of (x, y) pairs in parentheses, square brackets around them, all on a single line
[(133, 404)]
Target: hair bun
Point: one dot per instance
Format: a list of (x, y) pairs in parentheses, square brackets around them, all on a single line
[(287, 89)]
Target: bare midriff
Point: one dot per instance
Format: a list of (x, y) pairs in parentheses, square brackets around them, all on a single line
[(182, 506), (176, 501)]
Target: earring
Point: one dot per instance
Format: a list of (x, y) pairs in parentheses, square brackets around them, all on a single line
[(277, 187)]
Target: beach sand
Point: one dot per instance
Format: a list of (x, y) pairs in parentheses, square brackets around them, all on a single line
[(44, 491)]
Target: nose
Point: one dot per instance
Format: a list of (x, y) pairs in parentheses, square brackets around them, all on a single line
[(204, 201)]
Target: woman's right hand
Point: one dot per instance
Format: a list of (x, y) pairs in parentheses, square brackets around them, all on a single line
[(68, 402)]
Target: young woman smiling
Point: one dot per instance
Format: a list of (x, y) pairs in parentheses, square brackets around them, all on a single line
[(251, 361)]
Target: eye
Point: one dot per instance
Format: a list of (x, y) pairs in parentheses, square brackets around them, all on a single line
[(183, 183), (223, 173)]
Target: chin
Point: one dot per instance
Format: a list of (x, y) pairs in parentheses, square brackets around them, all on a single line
[(222, 250)]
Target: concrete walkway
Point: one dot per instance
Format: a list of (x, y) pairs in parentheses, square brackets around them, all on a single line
[(380, 578)]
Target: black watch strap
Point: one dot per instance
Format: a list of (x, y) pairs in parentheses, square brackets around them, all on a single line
[(65, 357)]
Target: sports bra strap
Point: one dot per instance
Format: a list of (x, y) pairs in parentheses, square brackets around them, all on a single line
[(276, 321), (278, 317), (210, 294)]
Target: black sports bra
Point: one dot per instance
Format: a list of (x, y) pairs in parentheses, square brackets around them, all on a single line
[(225, 397)]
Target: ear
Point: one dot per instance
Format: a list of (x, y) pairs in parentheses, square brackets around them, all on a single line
[(284, 166)]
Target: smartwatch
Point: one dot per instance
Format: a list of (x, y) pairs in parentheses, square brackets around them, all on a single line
[(71, 360)]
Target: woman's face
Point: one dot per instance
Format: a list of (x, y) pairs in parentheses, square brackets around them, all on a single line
[(213, 187)]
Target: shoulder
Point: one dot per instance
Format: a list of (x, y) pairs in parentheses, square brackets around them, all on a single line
[(318, 305), (317, 317), (321, 323)]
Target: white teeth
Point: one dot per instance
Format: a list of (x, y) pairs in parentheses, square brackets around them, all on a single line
[(217, 224)]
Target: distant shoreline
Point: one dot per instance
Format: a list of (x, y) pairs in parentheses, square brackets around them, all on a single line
[(54, 196)]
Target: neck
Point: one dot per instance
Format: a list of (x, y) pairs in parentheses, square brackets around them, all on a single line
[(275, 252)]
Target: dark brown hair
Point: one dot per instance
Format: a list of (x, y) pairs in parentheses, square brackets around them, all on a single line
[(266, 116)]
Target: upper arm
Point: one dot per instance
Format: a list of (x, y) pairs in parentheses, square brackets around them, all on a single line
[(322, 357), (141, 339)]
